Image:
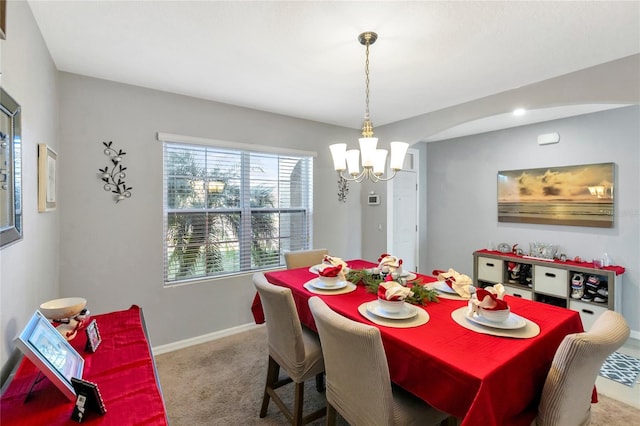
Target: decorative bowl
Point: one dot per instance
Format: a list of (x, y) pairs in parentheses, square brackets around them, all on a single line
[(391, 306), (494, 316), (67, 307), (328, 281)]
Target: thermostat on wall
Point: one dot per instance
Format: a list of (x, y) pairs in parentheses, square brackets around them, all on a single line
[(548, 138), (373, 199)]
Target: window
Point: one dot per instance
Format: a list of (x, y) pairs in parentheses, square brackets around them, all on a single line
[(228, 211)]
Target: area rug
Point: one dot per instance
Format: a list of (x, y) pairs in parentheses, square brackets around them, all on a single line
[(621, 368)]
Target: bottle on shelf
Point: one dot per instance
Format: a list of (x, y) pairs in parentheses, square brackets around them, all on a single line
[(606, 260)]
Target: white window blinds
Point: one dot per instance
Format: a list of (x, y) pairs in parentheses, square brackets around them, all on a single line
[(228, 210)]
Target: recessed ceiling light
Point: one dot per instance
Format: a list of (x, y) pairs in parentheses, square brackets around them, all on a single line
[(519, 111)]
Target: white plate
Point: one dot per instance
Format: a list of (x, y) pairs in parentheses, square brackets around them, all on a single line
[(511, 323), (442, 287), (407, 312), (317, 283)]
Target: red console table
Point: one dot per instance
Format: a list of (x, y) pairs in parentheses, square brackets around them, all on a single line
[(122, 367)]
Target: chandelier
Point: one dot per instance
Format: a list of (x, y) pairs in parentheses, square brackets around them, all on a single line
[(373, 159)]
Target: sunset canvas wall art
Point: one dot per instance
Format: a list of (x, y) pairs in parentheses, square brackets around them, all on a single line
[(570, 195)]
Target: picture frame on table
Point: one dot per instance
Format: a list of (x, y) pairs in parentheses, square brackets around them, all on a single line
[(93, 337), (89, 398), (48, 350), (47, 178)]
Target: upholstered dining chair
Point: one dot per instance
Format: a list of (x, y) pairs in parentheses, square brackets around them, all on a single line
[(291, 347), (298, 259), (358, 382), (566, 396)]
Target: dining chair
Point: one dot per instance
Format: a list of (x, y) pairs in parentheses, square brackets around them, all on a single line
[(566, 396), (291, 347), (298, 259), (358, 385)]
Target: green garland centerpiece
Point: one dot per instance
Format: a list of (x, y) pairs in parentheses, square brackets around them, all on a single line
[(371, 281)]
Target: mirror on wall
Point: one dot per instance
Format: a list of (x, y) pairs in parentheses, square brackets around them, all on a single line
[(10, 170)]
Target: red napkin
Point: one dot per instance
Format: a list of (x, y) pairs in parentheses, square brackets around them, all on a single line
[(382, 294), (331, 271), (449, 281), (395, 290), (493, 304)]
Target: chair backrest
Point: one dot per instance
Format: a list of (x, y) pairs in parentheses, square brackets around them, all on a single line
[(298, 259), (358, 382), (566, 397), (284, 331)]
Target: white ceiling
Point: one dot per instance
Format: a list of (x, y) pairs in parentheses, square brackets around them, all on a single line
[(303, 59)]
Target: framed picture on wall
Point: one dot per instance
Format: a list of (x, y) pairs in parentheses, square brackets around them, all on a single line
[(570, 195), (3, 19), (47, 177)]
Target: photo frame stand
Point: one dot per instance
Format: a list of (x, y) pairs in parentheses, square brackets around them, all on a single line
[(38, 379)]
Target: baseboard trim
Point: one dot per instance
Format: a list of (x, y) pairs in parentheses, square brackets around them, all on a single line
[(181, 344)]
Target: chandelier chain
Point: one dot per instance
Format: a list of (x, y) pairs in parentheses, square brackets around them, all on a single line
[(366, 82), (367, 126)]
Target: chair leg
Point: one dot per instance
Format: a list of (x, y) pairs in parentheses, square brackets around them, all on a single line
[(296, 417), (320, 382), (272, 376), (331, 415), (298, 404)]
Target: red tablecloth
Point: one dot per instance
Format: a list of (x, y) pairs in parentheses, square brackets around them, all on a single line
[(483, 379), (122, 367)]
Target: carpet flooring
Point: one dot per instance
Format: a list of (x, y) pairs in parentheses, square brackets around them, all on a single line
[(221, 383)]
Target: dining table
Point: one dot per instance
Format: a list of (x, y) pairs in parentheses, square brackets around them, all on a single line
[(479, 377)]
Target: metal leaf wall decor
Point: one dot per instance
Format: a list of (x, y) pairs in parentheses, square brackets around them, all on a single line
[(114, 178), (343, 189)]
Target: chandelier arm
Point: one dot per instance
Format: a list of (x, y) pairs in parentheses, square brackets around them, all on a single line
[(357, 178), (364, 174), (381, 179)]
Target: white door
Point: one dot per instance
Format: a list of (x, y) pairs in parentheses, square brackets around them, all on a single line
[(402, 239)]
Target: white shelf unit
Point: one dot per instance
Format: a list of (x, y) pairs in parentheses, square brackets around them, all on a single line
[(550, 282)]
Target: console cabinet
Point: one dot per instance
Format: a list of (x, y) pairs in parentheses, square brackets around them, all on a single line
[(548, 281), (123, 367)]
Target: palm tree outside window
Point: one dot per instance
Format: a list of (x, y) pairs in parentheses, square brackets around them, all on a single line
[(232, 211)]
